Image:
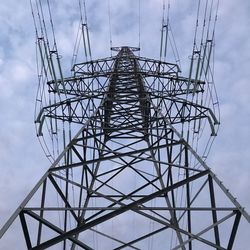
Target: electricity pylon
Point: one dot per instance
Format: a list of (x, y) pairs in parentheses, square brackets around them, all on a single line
[(126, 180)]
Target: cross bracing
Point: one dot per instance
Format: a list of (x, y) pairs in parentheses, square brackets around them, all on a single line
[(126, 177)]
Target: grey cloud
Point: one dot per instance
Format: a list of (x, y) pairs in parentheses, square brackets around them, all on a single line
[(22, 160)]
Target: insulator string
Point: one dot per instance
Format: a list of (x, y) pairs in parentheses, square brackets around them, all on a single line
[(76, 46), (85, 29), (174, 47)]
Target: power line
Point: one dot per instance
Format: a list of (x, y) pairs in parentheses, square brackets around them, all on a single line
[(110, 27)]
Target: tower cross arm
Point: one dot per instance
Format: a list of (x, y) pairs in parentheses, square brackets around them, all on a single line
[(105, 67)]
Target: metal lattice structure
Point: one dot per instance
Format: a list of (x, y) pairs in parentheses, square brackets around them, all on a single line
[(128, 166), (128, 138)]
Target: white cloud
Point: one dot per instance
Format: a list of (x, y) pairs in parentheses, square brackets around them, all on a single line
[(22, 160)]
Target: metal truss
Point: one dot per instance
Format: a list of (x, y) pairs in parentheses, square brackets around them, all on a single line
[(128, 176)]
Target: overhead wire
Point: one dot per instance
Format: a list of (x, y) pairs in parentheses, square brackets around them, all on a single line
[(43, 79), (54, 127), (76, 46), (195, 48), (43, 39), (162, 27), (85, 25), (110, 27), (52, 25), (207, 99), (43, 30), (43, 25), (41, 82), (163, 56), (139, 26), (167, 31), (167, 35), (212, 91), (211, 70), (174, 48)]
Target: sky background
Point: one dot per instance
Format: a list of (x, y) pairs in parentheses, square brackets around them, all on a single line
[(22, 161)]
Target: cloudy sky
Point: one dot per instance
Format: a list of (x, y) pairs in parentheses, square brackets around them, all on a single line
[(22, 161)]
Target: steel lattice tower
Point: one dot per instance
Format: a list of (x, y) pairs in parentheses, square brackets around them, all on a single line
[(128, 167), (126, 175)]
